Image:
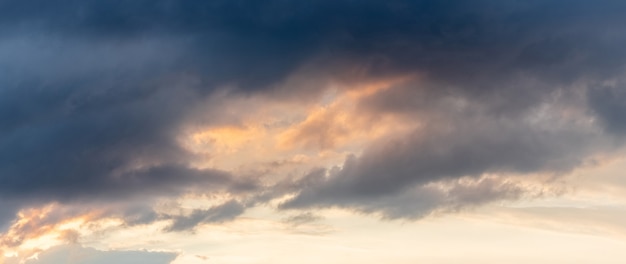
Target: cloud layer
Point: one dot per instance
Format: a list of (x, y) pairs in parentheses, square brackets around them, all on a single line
[(96, 99)]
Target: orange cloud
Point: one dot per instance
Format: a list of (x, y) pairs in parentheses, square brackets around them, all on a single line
[(339, 123), (36, 229)]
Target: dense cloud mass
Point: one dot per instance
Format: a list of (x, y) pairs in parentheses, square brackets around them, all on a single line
[(465, 149), (95, 95)]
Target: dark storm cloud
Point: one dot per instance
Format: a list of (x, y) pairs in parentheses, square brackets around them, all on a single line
[(256, 43), (82, 118), (94, 94), (609, 102)]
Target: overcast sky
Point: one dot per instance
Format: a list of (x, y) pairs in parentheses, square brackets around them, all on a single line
[(327, 131)]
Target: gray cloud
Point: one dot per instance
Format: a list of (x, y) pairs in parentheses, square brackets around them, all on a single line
[(425, 200), (303, 218), (95, 93), (609, 103), (80, 255), (417, 201), (217, 214), (7, 213), (464, 145), (87, 119)]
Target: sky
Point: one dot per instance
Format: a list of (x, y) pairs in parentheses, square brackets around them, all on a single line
[(327, 131)]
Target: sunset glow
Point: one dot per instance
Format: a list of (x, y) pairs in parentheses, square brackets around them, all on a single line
[(329, 131)]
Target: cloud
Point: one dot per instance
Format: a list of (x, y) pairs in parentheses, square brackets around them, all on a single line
[(97, 94), (34, 223), (608, 102), (80, 255), (463, 145), (217, 214), (417, 201), (301, 219)]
